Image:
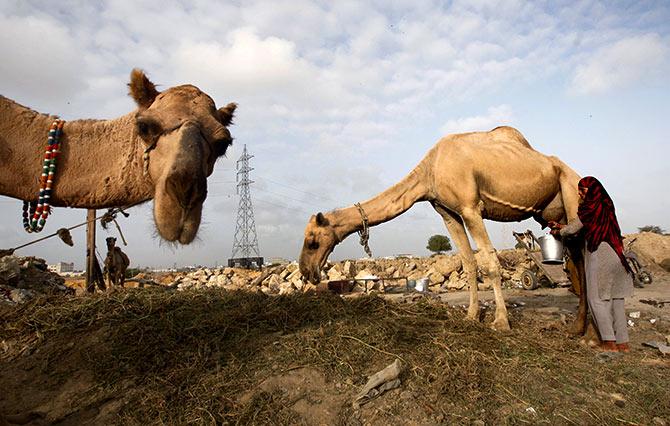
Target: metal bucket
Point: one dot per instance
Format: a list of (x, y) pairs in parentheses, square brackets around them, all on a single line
[(421, 284), (552, 249)]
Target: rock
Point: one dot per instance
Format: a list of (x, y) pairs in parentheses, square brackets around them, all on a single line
[(286, 288), (222, 280), (435, 277), (10, 269), (658, 421), (415, 275), (389, 271), (308, 287), (348, 269), (445, 265), (335, 275), (455, 282), (273, 283), (20, 295)]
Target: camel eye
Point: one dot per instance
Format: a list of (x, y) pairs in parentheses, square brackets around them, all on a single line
[(147, 128)]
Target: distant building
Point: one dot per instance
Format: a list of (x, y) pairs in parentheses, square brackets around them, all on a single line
[(61, 267)]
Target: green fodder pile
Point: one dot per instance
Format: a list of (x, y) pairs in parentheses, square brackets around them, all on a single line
[(190, 357)]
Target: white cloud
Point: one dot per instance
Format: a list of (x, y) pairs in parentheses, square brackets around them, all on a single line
[(495, 116), (41, 61), (622, 63)]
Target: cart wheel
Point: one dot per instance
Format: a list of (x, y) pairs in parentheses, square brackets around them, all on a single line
[(529, 280), (644, 277)]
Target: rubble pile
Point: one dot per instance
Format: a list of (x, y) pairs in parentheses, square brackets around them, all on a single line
[(653, 250), (22, 278), (444, 273)]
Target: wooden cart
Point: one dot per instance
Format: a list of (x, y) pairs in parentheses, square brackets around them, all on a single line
[(532, 277)]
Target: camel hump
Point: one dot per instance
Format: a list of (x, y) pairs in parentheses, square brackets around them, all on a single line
[(510, 134)]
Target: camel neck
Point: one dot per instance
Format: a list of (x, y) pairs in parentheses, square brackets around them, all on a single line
[(387, 205), (100, 164)]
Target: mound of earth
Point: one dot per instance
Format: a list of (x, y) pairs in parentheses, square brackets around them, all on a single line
[(652, 249), (22, 278)]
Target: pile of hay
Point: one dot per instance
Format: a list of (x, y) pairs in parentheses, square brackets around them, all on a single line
[(156, 356)]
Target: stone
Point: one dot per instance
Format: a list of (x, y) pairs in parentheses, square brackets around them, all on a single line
[(10, 269), (308, 287), (273, 282), (286, 288), (435, 277), (348, 269), (20, 295), (447, 265), (335, 275), (455, 282)]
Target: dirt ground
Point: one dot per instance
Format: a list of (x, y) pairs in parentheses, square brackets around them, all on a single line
[(152, 356)]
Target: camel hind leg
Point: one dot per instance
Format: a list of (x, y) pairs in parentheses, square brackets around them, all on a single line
[(456, 229), (475, 224)]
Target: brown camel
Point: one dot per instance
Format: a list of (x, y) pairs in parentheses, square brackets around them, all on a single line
[(102, 162), (467, 178), (116, 264)]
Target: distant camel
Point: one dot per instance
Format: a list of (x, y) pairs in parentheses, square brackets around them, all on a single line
[(116, 264), (163, 151), (467, 178)]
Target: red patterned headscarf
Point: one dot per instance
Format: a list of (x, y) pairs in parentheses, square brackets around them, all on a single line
[(596, 212)]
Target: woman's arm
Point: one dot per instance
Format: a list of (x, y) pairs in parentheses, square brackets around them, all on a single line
[(573, 227)]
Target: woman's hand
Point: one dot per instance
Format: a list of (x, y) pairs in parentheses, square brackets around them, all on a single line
[(555, 228)]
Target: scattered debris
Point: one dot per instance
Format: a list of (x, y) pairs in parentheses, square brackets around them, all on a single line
[(22, 278), (658, 304), (531, 410), (631, 323), (380, 382), (662, 347), (635, 314)]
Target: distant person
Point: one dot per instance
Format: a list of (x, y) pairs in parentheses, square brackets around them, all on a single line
[(608, 279)]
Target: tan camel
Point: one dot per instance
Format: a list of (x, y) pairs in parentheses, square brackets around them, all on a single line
[(116, 264), (101, 162), (467, 178)]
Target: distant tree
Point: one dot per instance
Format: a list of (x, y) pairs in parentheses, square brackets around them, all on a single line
[(439, 243), (652, 228)]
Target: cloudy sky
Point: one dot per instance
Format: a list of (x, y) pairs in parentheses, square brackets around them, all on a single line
[(339, 100)]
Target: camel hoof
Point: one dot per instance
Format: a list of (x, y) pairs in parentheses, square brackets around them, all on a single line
[(473, 314), (501, 324)]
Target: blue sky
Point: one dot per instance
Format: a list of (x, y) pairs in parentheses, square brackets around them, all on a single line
[(339, 100)]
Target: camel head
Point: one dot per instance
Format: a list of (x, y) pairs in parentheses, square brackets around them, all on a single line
[(111, 242), (185, 134), (320, 239)]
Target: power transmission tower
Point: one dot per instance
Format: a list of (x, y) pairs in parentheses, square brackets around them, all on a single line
[(246, 242)]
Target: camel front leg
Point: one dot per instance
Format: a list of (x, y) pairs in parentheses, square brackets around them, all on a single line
[(456, 229), (475, 225)]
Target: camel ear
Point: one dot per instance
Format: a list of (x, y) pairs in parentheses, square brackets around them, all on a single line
[(226, 114), (321, 219), (142, 89)]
